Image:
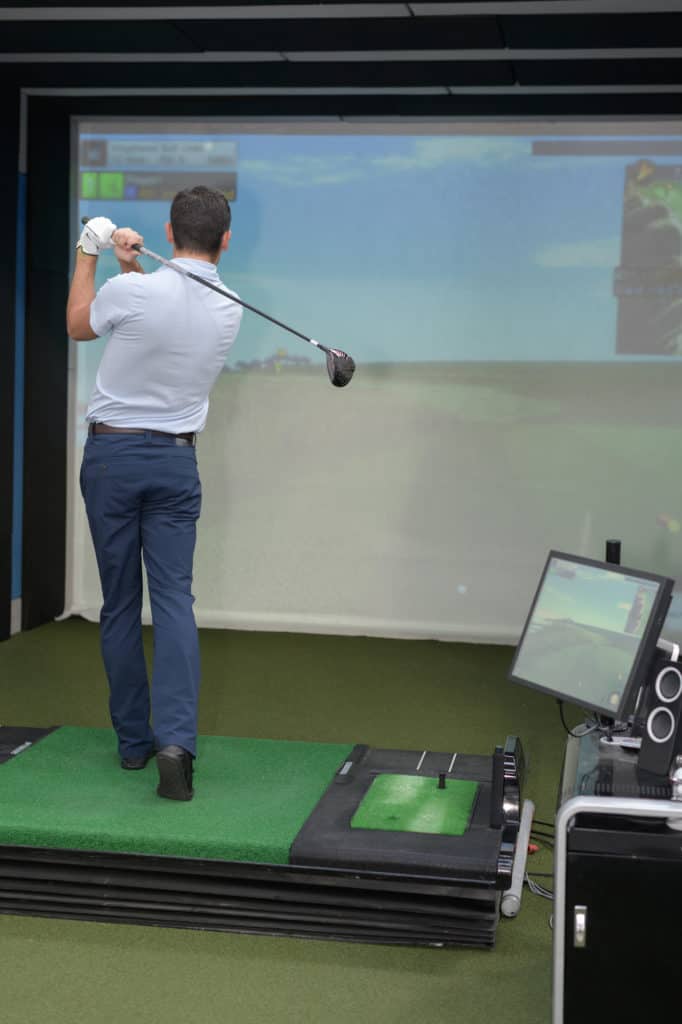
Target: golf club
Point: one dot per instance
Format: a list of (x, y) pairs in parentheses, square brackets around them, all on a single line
[(340, 366)]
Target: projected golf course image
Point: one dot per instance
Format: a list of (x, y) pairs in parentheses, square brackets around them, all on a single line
[(385, 483), (494, 413)]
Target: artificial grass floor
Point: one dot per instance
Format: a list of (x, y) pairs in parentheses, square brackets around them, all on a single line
[(386, 693), (253, 797)]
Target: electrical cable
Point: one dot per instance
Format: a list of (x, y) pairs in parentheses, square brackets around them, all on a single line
[(537, 889), (584, 731)]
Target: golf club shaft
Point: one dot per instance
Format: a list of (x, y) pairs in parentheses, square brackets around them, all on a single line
[(228, 295), (221, 291)]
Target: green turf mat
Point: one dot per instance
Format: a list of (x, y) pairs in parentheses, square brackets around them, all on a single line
[(251, 797), (411, 803)]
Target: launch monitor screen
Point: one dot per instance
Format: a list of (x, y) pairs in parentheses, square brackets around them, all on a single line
[(590, 632)]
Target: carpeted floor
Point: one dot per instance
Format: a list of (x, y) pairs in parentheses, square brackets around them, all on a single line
[(336, 690)]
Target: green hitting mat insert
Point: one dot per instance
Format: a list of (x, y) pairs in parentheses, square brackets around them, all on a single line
[(252, 797), (408, 803)]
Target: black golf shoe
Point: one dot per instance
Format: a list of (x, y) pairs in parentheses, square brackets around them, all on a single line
[(136, 764), (176, 767)]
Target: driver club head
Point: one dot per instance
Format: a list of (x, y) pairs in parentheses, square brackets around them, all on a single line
[(340, 367)]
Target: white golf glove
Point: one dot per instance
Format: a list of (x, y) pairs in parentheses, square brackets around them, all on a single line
[(96, 236)]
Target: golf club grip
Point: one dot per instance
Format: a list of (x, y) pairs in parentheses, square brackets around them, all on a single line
[(84, 220), (138, 248)]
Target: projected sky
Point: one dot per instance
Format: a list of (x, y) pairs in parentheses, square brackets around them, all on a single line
[(405, 248)]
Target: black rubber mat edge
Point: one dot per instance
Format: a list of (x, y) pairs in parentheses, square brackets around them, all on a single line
[(256, 895), (294, 874), (112, 895), (15, 739), (275, 914), (367, 935)]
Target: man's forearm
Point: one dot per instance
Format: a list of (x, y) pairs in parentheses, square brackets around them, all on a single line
[(98, 234), (130, 268), (81, 295)]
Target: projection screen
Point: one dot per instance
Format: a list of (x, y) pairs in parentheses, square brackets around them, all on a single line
[(512, 295)]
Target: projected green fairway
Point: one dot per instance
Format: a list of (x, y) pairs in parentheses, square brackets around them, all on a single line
[(548, 491), (542, 494), (411, 803)]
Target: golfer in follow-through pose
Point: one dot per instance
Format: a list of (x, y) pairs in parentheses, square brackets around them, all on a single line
[(168, 339)]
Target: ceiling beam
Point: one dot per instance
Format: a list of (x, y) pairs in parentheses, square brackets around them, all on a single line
[(321, 11), (475, 90), (199, 12), (342, 56), (547, 7)]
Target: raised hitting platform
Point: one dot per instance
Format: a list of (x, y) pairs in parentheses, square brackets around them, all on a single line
[(324, 840)]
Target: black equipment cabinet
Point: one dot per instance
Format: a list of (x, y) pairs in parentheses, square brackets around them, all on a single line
[(618, 893)]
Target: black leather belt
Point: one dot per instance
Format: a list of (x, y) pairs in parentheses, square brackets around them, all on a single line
[(104, 428)]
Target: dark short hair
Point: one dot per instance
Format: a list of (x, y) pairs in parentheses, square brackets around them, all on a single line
[(199, 218)]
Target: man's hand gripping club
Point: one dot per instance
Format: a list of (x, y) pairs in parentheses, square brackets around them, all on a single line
[(97, 235), (100, 233)]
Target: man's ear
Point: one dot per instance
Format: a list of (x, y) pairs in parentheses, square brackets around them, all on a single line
[(225, 241), (169, 233)]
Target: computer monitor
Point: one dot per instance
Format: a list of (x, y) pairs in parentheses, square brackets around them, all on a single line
[(591, 633)]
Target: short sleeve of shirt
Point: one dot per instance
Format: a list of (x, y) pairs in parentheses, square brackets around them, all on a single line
[(115, 301)]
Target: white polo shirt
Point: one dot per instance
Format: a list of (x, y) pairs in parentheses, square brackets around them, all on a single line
[(168, 342)]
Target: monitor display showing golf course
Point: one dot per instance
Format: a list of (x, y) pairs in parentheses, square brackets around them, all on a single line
[(589, 631), (512, 296)]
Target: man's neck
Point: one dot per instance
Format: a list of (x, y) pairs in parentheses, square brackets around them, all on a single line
[(189, 254)]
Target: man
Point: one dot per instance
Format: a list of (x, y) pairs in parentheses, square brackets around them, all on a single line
[(168, 339)]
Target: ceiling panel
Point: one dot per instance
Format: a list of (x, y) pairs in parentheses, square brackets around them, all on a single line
[(599, 72), (273, 73), (615, 30), (345, 34), (279, 45), (92, 37), (350, 108)]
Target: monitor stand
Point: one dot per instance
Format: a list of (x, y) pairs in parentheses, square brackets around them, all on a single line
[(622, 740)]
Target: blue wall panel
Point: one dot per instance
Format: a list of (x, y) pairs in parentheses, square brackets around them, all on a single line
[(19, 323)]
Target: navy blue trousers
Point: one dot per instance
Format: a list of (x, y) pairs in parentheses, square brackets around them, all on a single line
[(143, 498)]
